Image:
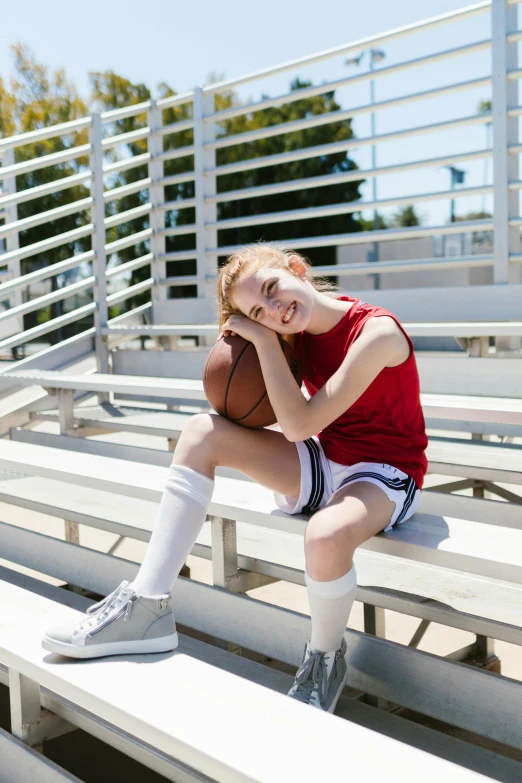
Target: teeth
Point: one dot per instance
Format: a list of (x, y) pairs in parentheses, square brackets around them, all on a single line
[(289, 314)]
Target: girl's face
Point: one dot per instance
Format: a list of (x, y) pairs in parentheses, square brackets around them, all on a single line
[(275, 298)]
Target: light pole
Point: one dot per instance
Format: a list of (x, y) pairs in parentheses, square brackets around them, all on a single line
[(457, 178), (375, 56)]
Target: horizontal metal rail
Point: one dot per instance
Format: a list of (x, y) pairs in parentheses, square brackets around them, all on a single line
[(44, 190), (127, 163), (141, 108), (348, 144), (47, 299), (175, 127), (48, 326), (122, 244), (48, 271), (129, 266), (354, 46), (350, 176), (346, 208), (47, 244), (121, 296), (49, 132), (172, 206), (176, 231), (177, 281), (178, 179), (43, 161), (514, 37), (127, 190), (348, 81), (409, 265), (44, 217), (366, 237), (125, 138), (179, 152), (179, 255), (125, 217), (346, 114)]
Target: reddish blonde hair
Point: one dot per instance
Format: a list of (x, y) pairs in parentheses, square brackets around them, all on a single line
[(249, 259)]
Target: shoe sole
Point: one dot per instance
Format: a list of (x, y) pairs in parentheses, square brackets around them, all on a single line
[(132, 647)]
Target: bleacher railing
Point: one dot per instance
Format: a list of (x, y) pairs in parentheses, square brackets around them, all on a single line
[(206, 124)]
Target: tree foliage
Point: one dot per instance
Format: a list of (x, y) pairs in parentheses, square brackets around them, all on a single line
[(37, 98)]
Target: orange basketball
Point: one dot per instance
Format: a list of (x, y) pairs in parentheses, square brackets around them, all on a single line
[(234, 384)]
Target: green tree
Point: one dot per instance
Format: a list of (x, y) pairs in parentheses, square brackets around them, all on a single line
[(110, 91), (300, 169), (406, 216), (35, 99)]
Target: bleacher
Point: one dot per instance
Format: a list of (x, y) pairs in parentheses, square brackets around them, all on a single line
[(87, 430)]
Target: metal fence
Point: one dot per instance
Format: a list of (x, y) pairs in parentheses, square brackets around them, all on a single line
[(109, 154)]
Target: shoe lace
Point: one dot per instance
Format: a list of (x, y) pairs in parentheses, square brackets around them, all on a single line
[(100, 610), (311, 675)]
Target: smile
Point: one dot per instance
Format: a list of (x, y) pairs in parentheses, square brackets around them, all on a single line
[(289, 313)]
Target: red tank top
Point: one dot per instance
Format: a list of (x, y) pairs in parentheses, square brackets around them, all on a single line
[(386, 423)]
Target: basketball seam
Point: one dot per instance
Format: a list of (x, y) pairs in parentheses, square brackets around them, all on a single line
[(252, 410)]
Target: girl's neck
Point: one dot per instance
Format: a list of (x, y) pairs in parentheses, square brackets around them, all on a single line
[(326, 313)]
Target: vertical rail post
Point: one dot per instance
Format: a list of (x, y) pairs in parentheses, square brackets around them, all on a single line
[(157, 199), (505, 132), (99, 263), (205, 185), (12, 243)]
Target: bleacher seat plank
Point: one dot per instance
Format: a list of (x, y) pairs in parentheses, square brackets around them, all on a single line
[(438, 540), (435, 404), (457, 751), (489, 607), (414, 329), (22, 764), (496, 462), (124, 418), (100, 382), (501, 462), (214, 719)]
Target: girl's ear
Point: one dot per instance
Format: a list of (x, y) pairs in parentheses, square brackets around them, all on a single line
[(297, 266)]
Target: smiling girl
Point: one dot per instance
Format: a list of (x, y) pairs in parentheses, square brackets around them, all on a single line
[(351, 456)]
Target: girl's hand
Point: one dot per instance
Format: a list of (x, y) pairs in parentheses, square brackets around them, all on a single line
[(245, 327)]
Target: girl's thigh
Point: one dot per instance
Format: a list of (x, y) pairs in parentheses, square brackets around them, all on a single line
[(266, 456)]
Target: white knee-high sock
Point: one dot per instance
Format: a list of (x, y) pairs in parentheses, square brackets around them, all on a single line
[(330, 606), (181, 514)]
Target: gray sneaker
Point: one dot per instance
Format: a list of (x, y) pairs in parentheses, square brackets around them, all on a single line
[(321, 677), (122, 623)]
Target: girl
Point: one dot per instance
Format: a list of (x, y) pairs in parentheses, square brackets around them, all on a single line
[(361, 474)]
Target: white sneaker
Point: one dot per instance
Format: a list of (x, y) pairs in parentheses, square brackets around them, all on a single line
[(122, 623)]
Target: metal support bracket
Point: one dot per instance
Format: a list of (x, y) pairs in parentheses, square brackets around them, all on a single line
[(225, 571), (29, 722)]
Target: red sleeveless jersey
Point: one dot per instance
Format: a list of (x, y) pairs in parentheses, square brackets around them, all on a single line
[(386, 423)]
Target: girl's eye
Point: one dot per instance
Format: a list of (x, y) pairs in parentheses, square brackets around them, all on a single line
[(270, 286), (256, 313)]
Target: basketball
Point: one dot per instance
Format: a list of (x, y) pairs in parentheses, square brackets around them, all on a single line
[(234, 385)]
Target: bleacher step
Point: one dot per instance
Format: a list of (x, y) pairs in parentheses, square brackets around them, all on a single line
[(435, 743)]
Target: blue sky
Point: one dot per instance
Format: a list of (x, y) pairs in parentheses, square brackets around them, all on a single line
[(183, 43)]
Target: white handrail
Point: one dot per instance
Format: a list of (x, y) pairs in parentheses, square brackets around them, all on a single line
[(350, 176), (47, 299), (48, 271), (366, 237), (354, 46), (348, 81)]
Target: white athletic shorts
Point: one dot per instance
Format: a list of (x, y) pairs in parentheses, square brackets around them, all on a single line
[(321, 479)]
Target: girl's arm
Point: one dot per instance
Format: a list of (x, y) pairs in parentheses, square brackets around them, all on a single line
[(380, 344)]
